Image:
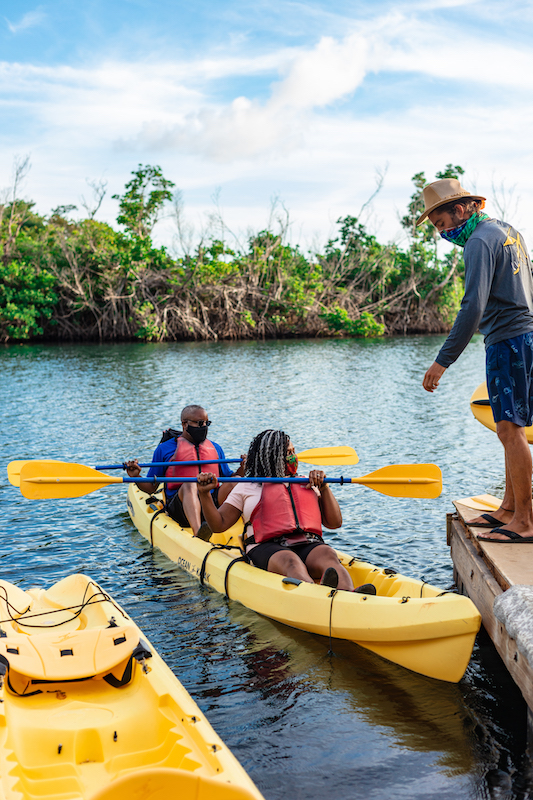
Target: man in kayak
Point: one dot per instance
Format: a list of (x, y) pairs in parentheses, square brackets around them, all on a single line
[(498, 300), (283, 522), (192, 444)]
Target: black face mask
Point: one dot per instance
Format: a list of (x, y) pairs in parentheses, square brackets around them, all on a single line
[(198, 435)]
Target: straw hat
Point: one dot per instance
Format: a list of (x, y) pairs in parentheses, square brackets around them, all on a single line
[(440, 192)]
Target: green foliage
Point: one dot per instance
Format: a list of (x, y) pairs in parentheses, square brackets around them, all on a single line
[(143, 200), (365, 325), (82, 279), (450, 299), (27, 295)]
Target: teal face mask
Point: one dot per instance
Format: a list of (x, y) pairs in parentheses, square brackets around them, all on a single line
[(462, 233)]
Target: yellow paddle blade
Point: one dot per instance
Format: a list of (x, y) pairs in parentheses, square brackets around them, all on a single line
[(405, 480), (40, 480), (14, 467), (332, 456)]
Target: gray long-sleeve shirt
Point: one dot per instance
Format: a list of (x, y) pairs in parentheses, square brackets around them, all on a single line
[(498, 296)]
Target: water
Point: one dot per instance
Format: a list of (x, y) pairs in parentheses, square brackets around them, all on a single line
[(302, 723)]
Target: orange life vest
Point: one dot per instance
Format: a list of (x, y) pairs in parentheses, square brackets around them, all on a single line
[(187, 451), (283, 510)]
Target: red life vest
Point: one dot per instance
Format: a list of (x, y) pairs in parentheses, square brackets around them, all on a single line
[(283, 510), (187, 451)]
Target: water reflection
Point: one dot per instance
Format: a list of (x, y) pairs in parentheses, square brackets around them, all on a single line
[(301, 722)]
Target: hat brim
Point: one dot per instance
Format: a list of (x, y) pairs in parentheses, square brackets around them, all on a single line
[(454, 199)]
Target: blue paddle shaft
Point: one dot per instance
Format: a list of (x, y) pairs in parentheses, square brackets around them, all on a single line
[(235, 479), (168, 463)]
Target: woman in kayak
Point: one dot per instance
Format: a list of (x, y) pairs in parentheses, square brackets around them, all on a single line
[(283, 522)]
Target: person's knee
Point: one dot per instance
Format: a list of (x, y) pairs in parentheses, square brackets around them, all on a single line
[(509, 433), (325, 555), (291, 560), (285, 562)]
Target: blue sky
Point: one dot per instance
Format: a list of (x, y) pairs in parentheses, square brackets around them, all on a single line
[(241, 103)]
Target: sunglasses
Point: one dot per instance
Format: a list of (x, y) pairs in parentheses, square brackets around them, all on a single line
[(199, 423)]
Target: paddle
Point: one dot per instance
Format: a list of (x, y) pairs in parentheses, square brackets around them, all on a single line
[(14, 467), (42, 480), (327, 456), (332, 456)]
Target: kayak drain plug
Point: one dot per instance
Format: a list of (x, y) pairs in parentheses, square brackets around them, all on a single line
[(59, 748), (115, 736)]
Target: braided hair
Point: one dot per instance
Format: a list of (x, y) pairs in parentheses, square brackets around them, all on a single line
[(267, 455)]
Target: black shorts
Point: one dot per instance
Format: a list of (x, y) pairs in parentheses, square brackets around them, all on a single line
[(175, 509), (262, 553)]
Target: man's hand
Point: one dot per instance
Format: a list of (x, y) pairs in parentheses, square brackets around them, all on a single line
[(133, 469), (242, 466), (432, 377)]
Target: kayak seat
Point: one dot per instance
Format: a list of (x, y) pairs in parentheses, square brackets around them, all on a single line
[(158, 782), (75, 655), (79, 593)]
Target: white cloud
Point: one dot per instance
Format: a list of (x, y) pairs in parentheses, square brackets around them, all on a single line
[(330, 72), (245, 128), (30, 20)]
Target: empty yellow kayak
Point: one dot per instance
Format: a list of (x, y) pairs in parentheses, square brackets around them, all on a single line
[(409, 622), (88, 709), (480, 406)]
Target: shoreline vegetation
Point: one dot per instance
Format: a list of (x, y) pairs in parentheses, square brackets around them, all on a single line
[(84, 280)]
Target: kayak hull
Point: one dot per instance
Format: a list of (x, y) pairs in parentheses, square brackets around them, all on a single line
[(111, 726), (408, 622)]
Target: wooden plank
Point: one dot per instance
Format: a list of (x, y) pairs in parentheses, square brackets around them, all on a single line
[(509, 563), (474, 577)]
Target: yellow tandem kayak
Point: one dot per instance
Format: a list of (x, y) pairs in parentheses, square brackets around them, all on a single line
[(408, 622), (88, 709)]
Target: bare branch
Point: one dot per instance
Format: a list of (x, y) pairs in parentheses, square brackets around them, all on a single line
[(504, 200), (99, 189)]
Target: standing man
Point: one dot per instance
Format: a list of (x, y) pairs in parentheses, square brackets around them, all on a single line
[(498, 300)]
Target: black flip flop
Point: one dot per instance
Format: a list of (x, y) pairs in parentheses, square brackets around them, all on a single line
[(514, 538), (491, 522)]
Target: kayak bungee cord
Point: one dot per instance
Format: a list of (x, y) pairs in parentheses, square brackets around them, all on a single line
[(332, 594), (80, 607), (242, 557)]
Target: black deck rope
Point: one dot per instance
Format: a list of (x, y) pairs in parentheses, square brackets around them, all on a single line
[(219, 547), (332, 594), (242, 557), (157, 513), (77, 609), (4, 671)]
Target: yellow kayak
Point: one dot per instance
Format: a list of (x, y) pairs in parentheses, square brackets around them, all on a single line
[(88, 709), (408, 622), (479, 404)]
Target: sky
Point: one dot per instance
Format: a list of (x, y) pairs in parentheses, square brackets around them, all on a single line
[(268, 111)]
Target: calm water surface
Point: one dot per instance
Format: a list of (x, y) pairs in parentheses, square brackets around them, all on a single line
[(302, 723)]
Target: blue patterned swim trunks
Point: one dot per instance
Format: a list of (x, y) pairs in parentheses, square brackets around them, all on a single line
[(510, 379)]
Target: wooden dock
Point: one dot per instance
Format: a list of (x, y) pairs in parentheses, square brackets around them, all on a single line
[(485, 571)]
